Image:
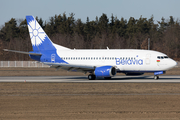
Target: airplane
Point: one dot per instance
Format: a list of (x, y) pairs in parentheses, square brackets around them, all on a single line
[(99, 63)]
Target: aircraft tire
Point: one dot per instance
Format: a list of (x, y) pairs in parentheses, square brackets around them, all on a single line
[(91, 77), (156, 77)]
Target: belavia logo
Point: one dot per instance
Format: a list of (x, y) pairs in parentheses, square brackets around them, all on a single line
[(158, 60), (129, 61)]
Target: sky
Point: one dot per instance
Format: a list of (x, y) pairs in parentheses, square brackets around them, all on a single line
[(82, 9)]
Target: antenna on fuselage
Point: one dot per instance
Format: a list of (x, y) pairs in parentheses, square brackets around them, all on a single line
[(107, 48), (148, 43)]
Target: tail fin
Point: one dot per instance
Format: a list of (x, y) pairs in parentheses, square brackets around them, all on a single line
[(40, 41)]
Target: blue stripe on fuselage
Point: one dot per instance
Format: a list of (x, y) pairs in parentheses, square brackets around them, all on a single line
[(48, 56)]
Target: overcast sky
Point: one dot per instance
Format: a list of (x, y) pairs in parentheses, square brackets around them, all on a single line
[(82, 9)]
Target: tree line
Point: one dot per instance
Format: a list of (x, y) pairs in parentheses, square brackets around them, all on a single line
[(96, 34)]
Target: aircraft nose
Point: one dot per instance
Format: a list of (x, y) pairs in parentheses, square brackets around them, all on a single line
[(173, 63)]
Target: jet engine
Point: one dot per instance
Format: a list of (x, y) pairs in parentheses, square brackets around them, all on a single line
[(105, 71)]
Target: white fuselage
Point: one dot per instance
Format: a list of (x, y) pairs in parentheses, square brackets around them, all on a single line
[(123, 60)]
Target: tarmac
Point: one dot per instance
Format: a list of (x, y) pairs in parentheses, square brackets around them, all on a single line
[(82, 79)]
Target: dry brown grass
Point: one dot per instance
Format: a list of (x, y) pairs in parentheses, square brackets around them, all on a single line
[(27, 101)]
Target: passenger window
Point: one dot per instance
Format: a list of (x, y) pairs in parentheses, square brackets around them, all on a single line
[(162, 57), (158, 57), (99, 58)]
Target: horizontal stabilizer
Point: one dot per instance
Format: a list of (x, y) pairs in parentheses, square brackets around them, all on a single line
[(22, 52)]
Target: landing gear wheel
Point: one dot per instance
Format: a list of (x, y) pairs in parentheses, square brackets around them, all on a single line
[(107, 78), (156, 77), (91, 77)]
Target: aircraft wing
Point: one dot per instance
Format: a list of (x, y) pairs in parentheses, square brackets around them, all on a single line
[(71, 67)]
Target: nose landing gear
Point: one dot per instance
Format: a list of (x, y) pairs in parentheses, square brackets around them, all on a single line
[(156, 77), (158, 73)]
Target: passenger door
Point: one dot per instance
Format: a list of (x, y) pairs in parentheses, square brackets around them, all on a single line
[(148, 59)]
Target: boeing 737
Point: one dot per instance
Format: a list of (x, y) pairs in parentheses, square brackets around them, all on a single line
[(97, 62)]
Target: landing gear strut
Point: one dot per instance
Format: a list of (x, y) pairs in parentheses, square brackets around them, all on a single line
[(91, 77), (156, 77)]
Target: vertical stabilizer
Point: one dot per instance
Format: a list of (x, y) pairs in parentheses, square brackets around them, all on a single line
[(40, 41)]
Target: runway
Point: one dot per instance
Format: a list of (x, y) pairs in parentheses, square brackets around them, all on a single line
[(116, 79)]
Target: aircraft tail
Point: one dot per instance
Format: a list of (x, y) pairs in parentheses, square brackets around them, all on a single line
[(40, 41)]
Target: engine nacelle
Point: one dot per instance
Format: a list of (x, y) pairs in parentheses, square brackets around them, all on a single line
[(105, 71)]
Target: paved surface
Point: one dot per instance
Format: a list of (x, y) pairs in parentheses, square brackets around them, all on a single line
[(126, 79)]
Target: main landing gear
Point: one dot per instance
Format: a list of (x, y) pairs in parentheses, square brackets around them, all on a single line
[(91, 77), (156, 77)]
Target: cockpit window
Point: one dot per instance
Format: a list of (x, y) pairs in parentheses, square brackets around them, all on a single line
[(162, 57)]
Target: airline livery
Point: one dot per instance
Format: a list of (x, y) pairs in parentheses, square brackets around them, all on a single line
[(97, 62)]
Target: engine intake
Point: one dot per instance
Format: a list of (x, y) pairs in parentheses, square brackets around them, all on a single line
[(105, 71)]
